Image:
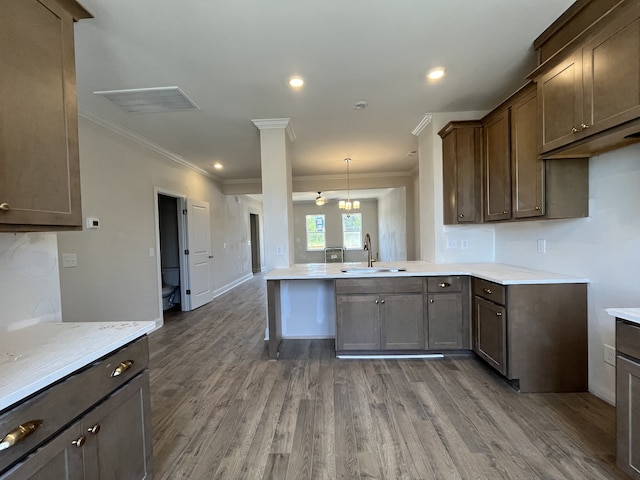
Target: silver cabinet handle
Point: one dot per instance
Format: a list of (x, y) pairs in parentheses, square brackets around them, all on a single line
[(377, 302), (79, 442), (5, 207), (583, 126), (431, 300), (538, 208), (487, 291), (382, 301), (461, 215), (505, 212), (444, 285), (574, 130), (94, 430), (498, 314)]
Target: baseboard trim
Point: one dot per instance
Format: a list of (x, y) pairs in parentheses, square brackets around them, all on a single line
[(229, 286)]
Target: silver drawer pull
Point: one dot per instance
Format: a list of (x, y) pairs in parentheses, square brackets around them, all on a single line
[(487, 291), (444, 285), (123, 367), (382, 301), (498, 314), (19, 433)]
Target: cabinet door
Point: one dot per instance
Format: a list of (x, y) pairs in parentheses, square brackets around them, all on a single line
[(449, 189), (445, 321), (118, 435), (491, 333), (358, 322), (527, 167), (560, 103), (497, 167), (402, 322), (60, 459), (628, 415), (468, 178), (39, 166), (612, 73)]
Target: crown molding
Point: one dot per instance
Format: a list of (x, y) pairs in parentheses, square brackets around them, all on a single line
[(426, 120), (145, 142), (275, 123)]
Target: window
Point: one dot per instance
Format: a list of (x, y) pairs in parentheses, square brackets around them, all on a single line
[(315, 232), (352, 231)]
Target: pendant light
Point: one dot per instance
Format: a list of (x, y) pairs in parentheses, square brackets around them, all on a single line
[(348, 205), (320, 200)]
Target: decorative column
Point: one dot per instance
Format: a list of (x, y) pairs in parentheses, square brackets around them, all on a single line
[(276, 191)]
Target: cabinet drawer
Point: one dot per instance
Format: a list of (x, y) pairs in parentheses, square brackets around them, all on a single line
[(444, 284), (60, 404), (379, 285), (491, 291), (628, 338)]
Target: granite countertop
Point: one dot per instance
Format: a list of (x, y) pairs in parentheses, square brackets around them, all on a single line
[(34, 357), (630, 314), (494, 272)]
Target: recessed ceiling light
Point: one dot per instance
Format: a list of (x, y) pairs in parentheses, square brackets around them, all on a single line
[(217, 166), (360, 105), (435, 73), (296, 82)]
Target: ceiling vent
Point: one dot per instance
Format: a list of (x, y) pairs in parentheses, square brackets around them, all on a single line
[(150, 100)]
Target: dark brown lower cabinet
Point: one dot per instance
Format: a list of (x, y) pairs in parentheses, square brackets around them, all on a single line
[(112, 441), (379, 314), (447, 319), (628, 397), (491, 333), (533, 334)]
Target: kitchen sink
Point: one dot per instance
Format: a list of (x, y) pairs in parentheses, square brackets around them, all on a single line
[(359, 270)]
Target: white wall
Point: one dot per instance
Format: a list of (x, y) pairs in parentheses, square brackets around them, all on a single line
[(333, 226), (392, 225), (29, 281), (116, 278), (604, 248)]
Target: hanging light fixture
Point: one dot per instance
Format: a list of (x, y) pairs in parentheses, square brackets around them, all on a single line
[(347, 204), (320, 200)]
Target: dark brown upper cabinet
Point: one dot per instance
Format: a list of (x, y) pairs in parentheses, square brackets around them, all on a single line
[(589, 91), (462, 172), (39, 164)]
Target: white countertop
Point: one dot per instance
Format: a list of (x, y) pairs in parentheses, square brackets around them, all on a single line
[(630, 314), (34, 357), (494, 272)]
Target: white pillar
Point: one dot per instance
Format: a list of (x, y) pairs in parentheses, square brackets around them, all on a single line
[(276, 191)]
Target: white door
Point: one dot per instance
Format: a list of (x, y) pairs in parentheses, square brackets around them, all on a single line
[(198, 244)]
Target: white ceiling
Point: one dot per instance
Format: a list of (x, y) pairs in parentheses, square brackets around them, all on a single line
[(233, 59)]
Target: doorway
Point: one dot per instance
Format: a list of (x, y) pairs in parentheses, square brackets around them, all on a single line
[(171, 273), (254, 221)]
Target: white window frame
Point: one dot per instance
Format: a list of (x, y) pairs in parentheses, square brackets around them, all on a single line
[(307, 232), (360, 244)]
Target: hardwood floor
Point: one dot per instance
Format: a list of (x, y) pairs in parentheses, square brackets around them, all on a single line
[(221, 410)]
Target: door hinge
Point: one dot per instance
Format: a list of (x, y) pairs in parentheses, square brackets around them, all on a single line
[(188, 292), (184, 212), (186, 252)]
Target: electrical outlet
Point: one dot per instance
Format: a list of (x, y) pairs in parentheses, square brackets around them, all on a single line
[(452, 243), (464, 244), (542, 245), (69, 260), (609, 355)]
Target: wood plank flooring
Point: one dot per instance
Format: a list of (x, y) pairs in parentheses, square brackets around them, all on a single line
[(221, 410)]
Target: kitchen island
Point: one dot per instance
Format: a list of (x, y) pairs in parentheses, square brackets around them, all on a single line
[(60, 385), (514, 318)]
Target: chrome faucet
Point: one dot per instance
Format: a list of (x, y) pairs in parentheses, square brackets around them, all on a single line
[(367, 247)]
